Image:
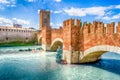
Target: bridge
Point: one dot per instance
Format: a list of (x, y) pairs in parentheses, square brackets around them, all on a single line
[(81, 42)]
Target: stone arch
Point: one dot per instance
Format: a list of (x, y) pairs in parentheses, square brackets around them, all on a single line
[(55, 43), (40, 40), (94, 53)]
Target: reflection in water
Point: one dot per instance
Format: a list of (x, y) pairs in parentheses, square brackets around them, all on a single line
[(42, 66)]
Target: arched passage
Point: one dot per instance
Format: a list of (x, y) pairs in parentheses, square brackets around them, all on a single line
[(94, 53), (57, 42), (40, 41)]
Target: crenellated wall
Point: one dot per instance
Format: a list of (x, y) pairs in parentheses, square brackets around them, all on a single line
[(78, 38), (98, 34), (71, 34)]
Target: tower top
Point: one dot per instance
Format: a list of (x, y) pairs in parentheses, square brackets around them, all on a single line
[(44, 18), (44, 11)]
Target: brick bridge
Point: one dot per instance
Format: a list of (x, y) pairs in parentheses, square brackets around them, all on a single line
[(81, 42)]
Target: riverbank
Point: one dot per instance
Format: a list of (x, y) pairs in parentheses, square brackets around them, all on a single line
[(17, 43)]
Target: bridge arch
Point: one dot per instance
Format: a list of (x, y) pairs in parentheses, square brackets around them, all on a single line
[(94, 53), (55, 43), (40, 40)]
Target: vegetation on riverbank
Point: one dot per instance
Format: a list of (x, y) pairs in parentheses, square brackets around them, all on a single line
[(17, 43)]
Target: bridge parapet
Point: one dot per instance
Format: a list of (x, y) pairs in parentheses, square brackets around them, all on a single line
[(99, 27), (72, 23)]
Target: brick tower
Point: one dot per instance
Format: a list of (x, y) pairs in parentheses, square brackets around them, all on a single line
[(44, 18), (45, 29)]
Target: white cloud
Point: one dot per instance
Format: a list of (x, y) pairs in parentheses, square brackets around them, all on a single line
[(5, 21), (38, 11), (51, 24), (105, 18), (57, 12), (75, 12), (117, 6), (31, 0), (9, 22), (7, 3), (104, 13), (58, 0), (117, 16), (20, 21), (4, 1), (97, 11)]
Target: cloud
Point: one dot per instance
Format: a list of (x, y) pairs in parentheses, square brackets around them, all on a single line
[(5, 21), (117, 16), (7, 3), (51, 24), (21, 21), (97, 11), (117, 6), (57, 12), (4, 1), (9, 22), (104, 13), (31, 0), (75, 12), (38, 11), (58, 0)]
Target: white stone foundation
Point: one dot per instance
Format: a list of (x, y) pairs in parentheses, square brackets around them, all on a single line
[(71, 57)]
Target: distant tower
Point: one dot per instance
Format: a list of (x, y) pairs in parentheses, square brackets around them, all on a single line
[(44, 18)]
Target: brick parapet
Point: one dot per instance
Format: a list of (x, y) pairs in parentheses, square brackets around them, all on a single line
[(83, 37)]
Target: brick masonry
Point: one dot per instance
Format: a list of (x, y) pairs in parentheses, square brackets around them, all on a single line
[(78, 38)]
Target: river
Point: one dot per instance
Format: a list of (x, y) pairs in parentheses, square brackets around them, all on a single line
[(15, 65)]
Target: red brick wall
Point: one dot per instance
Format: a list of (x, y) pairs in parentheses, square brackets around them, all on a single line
[(71, 34), (83, 37), (101, 36), (67, 34), (46, 35), (57, 33)]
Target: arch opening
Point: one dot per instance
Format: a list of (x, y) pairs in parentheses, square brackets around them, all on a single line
[(95, 53), (40, 41), (93, 56), (55, 45)]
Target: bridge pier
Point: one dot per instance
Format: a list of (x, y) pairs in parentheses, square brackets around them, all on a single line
[(67, 56), (71, 57)]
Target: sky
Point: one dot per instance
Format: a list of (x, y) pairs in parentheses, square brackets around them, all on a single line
[(26, 12)]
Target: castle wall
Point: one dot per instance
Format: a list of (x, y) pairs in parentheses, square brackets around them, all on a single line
[(9, 34)]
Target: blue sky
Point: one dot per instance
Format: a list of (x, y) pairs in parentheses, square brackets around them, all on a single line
[(25, 12)]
